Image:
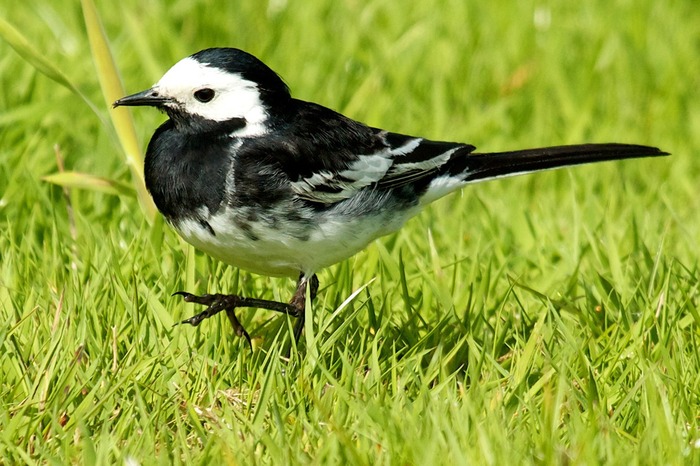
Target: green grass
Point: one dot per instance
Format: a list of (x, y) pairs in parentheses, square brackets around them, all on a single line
[(544, 319)]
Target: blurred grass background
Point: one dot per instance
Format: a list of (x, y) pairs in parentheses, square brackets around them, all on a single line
[(550, 318)]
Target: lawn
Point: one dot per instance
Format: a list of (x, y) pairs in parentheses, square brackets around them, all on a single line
[(544, 319)]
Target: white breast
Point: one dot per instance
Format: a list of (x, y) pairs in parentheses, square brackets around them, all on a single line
[(287, 248)]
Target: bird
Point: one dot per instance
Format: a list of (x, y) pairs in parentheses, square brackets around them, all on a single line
[(280, 186)]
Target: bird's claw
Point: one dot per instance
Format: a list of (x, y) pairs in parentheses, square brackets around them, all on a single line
[(186, 296), (216, 303), (195, 320), (228, 302), (238, 327)]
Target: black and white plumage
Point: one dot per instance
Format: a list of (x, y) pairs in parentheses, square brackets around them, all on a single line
[(283, 187)]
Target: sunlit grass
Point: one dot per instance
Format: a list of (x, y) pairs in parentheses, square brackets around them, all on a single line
[(543, 319)]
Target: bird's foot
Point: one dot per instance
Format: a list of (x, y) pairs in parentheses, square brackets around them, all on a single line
[(229, 302)]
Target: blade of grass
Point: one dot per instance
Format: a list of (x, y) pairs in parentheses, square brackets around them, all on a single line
[(112, 89), (111, 86), (71, 179), (21, 45)]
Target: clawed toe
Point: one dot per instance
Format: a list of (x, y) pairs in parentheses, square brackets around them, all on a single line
[(205, 299), (216, 303), (195, 320), (238, 327), (228, 302)]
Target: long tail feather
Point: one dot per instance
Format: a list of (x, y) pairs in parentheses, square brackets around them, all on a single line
[(499, 164)]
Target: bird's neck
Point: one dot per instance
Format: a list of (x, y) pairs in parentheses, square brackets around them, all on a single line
[(196, 125)]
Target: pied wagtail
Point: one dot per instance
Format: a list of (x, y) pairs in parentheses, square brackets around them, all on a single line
[(283, 187)]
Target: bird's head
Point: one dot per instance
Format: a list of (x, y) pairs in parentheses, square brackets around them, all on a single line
[(216, 89)]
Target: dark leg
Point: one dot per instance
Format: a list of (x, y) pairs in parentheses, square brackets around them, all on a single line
[(229, 302), (299, 300)]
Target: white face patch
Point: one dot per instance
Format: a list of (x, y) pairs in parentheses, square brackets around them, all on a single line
[(234, 97)]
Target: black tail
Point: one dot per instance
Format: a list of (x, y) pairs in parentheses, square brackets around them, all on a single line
[(498, 164)]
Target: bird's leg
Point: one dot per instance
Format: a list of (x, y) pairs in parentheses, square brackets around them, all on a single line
[(299, 300), (229, 302)]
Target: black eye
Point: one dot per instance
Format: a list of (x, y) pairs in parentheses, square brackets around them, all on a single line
[(204, 95)]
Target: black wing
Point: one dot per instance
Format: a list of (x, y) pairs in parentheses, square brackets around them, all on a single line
[(328, 157)]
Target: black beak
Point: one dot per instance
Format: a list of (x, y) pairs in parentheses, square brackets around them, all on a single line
[(149, 97)]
